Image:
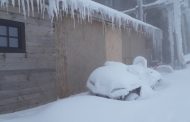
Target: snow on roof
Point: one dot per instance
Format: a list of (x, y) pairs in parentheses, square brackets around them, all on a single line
[(86, 10)]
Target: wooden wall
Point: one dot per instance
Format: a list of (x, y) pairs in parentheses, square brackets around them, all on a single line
[(28, 79), (57, 64), (113, 39), (86, 46), (82, 49), (136, 44)]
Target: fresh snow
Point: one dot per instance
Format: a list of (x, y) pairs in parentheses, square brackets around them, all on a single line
[(169, 103), (187, 58)]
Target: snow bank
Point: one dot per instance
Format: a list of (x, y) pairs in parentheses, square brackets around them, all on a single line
[(85, 9), (187, 58)]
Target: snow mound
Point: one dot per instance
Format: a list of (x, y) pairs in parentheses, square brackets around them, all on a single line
[(164, 69), (120, 81), (139, 60), (187, 59)]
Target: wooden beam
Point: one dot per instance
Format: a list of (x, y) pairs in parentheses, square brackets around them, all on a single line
[(155, 4), (130, 11)]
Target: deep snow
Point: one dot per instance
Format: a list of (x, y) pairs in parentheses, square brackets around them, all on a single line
[(169, 103)]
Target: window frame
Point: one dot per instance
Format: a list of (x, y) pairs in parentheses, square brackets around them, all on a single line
[(21, 36)]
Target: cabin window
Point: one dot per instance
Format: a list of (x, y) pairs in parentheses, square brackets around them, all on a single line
[(12, 36)]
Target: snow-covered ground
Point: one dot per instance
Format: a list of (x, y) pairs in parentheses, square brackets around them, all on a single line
[(187, 58), (169, 103)]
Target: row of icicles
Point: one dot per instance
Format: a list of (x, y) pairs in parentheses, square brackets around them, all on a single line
[(86, 10)]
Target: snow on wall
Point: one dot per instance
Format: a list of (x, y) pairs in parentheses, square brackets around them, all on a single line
[(174, 9), (175, 32), (171, 38), (86, 10), (178, 30)]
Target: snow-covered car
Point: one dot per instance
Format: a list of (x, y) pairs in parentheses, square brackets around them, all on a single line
[(113, 82), (120, 81), (164, 69), (147, 76)]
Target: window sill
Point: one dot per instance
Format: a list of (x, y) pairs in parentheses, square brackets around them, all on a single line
[(12, 50)]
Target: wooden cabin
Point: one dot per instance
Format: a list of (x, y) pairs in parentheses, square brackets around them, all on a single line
[(44, 60)]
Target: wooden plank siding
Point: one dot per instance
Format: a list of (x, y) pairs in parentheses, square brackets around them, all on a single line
[(82, 47), (58, 60), (28, 79)]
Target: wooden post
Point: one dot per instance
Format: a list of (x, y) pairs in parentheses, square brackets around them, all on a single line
[(61, 60), (140, 10)]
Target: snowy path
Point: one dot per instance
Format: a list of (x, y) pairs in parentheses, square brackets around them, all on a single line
[(170, 103)]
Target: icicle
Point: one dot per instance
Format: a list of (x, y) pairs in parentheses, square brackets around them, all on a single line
[(53, 9), (58, 9), (178, 31), (13, 3), (4, 3), (85, 10), (23, 8), (43, 8), (38, 5), (32, 6), (28, 6), (19, 5)]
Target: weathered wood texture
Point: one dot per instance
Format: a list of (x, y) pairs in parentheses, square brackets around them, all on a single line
[(28, 79), (57, 64), (84, 50), (136, 44), (113, 39), (82, 47)]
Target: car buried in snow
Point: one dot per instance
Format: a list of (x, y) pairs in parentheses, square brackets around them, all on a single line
[(123, 82)]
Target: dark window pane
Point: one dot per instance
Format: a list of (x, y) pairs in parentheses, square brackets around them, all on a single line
[(13, 42), (13, 31), (12, 36), (3, 30), (3, 42)]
